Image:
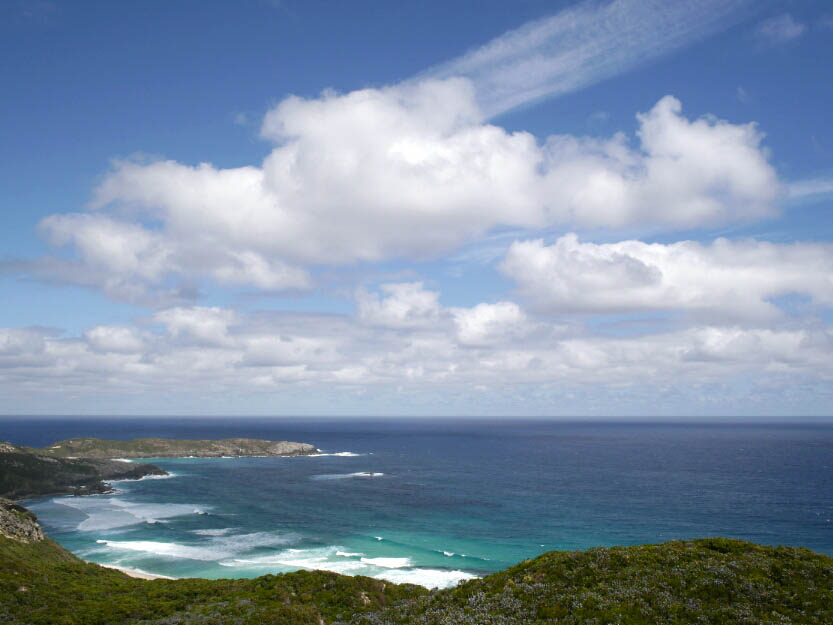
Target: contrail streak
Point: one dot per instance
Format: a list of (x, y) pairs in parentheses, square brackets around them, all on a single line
[(583, 45)]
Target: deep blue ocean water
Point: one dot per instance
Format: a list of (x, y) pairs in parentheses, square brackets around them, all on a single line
[(433, 502)]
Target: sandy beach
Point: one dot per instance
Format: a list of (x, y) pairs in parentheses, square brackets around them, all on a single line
[(135, 572)]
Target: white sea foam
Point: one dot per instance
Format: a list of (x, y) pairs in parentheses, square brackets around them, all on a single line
[(170, 550), (121, 460), (345, 476), (388, 563), (167, 476), (378, 538), (105, 513), (348, 554), (316, 558), (429, 578), (448, 553), (214, 532), (343, 454), (217, 548)]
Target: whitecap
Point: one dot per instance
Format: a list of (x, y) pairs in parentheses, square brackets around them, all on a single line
[(388, 563), (448, 554), (170, 550), (429, 578), (240, 543), (342, 454), (167, 476), (213, 532), (104, 513), (348, 554), (311, 559), (122, 460), (345, 476)]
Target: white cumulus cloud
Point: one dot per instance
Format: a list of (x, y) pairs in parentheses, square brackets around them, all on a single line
[(732, 280), (401, 172)]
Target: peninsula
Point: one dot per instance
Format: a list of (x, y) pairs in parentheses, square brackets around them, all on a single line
[(83, 466), (98, 448), (26, 473)]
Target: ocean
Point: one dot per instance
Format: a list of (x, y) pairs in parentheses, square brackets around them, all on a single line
[(433, 502)]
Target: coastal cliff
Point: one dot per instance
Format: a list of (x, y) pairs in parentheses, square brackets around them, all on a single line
[(173, 448), (18, 523), (26, 473)]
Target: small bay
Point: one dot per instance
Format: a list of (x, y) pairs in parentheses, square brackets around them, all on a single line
[(433, 502)]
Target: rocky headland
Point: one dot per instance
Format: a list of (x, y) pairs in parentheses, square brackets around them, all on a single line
[(98, 448), (26, 473)]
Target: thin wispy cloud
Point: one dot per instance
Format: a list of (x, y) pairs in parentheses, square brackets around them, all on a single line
[(811, 188), (780, 29), (583, 45)]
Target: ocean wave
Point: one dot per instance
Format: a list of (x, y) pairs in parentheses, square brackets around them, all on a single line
[(104, 513), (344, 476), (312, 559), (169, 550), (214, 549), (213, 532), (336, 560), (343, 454), (122, 460), (167, 476), (388, 563), (429, 578)]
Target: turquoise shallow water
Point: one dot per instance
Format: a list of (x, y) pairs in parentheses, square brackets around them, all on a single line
[(433, 503)]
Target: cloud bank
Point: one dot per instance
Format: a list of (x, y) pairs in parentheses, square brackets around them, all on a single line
[(405, 172), (725, 280)]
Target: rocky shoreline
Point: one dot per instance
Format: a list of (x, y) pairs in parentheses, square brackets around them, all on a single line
[(84, 466), (96, 448), (25, 473)]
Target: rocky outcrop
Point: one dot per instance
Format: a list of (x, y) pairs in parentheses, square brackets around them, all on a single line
[(97, 448), (18, 523)]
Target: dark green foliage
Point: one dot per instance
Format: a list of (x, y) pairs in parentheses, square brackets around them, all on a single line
[(702, 581), (25, 474), (41, 583)]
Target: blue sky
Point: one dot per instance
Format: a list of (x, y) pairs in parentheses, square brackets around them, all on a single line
[(593, 209)]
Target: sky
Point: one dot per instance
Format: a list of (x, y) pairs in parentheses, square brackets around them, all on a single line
[(519, 209)]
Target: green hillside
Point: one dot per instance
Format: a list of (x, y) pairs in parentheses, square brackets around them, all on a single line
[(43, 584), (707, 581), (704, 581)]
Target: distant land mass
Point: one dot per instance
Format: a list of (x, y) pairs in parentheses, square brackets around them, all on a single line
[(82, 466), (713, 580), (173, 448), (26, 473)]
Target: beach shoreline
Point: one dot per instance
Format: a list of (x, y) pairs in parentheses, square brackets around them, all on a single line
[(138, 574)]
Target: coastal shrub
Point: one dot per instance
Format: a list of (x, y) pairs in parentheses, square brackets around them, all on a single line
[(692, 582)]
